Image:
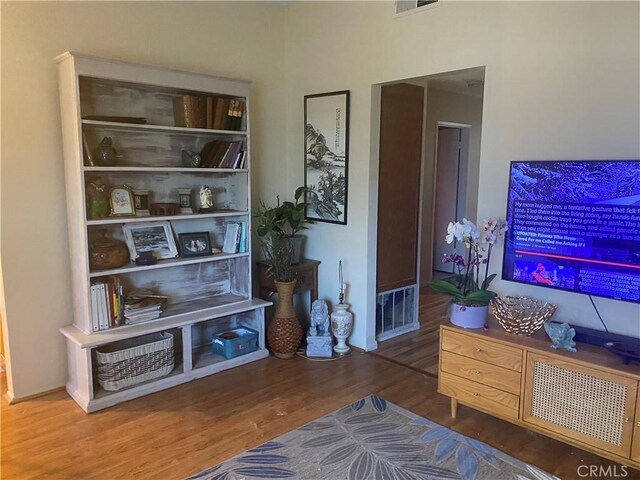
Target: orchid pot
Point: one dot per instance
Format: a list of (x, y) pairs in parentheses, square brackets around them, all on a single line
[(469, 286)]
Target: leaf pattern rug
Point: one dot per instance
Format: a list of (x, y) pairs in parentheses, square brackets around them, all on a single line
[(373, 439)]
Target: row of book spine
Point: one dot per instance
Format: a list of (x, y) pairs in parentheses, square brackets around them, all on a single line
[(106, 304), (223, 154), (235, 238), (217, 113)]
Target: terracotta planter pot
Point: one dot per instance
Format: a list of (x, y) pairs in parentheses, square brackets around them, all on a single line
[(284, 332)]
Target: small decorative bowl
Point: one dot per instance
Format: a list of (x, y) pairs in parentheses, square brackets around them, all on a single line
[(521, 315)]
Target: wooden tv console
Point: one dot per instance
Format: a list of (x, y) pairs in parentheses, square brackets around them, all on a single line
[(589, 399)]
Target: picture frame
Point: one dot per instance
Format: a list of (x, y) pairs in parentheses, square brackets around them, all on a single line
[(121, 201), (155, 237), (326, 164), (194, 244)]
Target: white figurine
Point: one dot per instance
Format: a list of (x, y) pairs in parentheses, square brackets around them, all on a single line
[(206, 199)]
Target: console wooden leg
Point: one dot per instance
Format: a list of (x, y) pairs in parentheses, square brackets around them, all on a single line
[(454, 407)]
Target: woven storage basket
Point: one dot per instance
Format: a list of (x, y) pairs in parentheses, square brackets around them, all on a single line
[(135, 360)]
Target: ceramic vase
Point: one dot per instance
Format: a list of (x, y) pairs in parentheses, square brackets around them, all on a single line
[(341, 326), (284, 332), (469, 317)]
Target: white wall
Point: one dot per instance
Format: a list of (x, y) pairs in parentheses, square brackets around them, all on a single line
[(561, 83), (220, 38), (443, 106)]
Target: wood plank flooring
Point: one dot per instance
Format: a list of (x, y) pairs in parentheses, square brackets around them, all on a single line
[(419, 349), (183, 430)]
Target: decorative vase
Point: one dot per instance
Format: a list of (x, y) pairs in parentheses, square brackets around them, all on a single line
[(284, 332), (104, 155), (341, 326), (469, 317)]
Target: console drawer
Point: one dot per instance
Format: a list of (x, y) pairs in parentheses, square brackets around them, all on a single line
[(477, 395), (483, 350), (481, 372)]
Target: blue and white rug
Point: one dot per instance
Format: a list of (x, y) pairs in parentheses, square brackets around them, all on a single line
[(373, 439)]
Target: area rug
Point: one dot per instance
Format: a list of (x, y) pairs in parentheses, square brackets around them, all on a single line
[(373, 439)]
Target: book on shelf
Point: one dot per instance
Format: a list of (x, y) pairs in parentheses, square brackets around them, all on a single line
[(242, 246), (211, 105), (222, 107), (231, 237), (138, 310), (190, 111), (106, 303)]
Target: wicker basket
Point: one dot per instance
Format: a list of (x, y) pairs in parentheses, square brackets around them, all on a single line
[(135, 360), (521, 315)]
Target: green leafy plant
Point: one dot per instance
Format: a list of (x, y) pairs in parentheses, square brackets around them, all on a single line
[(284, 220), (465, 287), (276, 227)]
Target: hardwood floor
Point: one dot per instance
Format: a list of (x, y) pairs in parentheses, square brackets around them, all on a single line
[(183, 430), (419, 349)]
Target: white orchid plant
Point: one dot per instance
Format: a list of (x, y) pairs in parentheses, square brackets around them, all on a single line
[(465, 287)]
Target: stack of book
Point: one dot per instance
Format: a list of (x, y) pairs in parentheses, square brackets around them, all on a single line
[(218, 113), (235, 238), (106, 303), (138, 310), (223, 154)]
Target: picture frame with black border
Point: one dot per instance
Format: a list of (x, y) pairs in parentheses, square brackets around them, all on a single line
[(326, 146), (194, 244)]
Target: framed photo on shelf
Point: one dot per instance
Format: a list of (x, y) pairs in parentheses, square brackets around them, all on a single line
[(326, 147), (155, 237), (121, 201), (196, 244)]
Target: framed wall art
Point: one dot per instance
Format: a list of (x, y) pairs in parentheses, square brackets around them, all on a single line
[(155, 237), (326, 146)]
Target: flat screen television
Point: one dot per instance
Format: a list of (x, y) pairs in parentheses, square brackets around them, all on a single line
[(575, 226)]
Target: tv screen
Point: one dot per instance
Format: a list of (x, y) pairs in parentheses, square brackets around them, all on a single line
[(575, 226)]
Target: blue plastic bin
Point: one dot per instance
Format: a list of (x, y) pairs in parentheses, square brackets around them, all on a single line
[(235, 342)]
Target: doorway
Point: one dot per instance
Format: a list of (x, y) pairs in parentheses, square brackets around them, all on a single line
[(450, 190), (449, 177)]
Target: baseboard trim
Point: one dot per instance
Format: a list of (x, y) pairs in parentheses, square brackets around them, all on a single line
[(13, 400)]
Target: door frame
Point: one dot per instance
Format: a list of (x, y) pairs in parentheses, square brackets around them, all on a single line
[(440, 123)]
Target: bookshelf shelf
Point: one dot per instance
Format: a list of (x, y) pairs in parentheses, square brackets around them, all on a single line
[(143, 127), (119, 220), (202, 293), (170, 263), (146, 170)]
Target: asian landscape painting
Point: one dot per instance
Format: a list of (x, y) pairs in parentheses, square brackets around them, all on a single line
[(326, 156)]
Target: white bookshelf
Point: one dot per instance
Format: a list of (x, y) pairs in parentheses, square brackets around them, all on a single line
[(205, 295)]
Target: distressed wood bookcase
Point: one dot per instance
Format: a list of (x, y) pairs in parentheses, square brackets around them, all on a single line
[(588, 398), (205, 294)]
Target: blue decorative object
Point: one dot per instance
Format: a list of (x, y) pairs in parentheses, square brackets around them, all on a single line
[(561, 334)]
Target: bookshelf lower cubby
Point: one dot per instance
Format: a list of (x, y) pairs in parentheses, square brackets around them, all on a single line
[(194, 357)]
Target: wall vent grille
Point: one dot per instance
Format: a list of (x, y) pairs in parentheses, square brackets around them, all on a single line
[(407, 6)]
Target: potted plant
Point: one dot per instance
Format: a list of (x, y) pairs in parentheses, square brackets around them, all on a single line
[(469, 288), (285, 221), (284, 332)]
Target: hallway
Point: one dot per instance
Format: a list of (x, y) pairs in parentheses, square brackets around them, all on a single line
[(419, 349)]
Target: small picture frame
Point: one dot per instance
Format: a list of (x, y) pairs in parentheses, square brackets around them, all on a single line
[(121, 201), (195, 244), (155, 237)]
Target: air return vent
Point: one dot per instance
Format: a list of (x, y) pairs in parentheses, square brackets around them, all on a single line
[(411, 6)]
